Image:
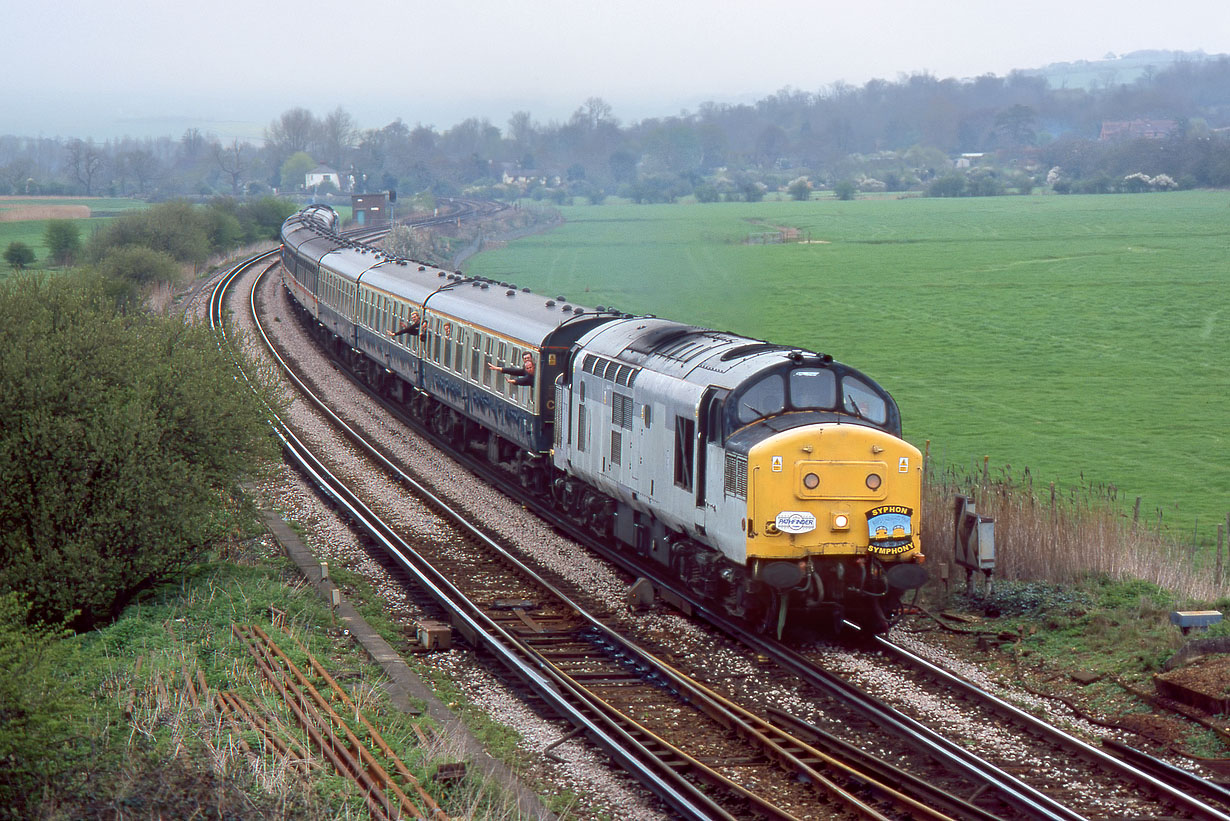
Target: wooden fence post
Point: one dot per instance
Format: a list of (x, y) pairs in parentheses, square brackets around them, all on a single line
[(1220, 536)]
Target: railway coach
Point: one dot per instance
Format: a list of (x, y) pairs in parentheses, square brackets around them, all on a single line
[(771, 480)]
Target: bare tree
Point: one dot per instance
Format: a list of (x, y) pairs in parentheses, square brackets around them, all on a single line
[(594, 113), (521, 128), (142, 165), (231, 161), (296, 130), (337, 136), (13, 176), (85, 162), (192, 143)]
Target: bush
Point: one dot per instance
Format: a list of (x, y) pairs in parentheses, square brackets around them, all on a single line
[(170, 227), (19, 255), (63, 239), (138, 265), (949, 185), (122, 439), (36, 709), (800, 189)]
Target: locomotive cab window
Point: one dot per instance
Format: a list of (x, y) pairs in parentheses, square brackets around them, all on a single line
[(765, 398), (862, 400), (813, 388)]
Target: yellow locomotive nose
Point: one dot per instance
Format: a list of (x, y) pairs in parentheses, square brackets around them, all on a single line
[(834, 490)]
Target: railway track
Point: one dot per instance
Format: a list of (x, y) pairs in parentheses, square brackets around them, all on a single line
[(573, 644), (929, 793), (625, 699)]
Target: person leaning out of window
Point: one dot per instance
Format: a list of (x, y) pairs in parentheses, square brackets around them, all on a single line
[(410, 327), (518, 376)]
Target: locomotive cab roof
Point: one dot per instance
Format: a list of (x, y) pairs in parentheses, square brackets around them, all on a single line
[(761, 382)]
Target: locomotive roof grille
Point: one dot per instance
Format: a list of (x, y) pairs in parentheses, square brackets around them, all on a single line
[(610, 370)]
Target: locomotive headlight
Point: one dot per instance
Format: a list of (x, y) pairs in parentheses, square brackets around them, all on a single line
[(811, 481), (874, 481), (841, 521)]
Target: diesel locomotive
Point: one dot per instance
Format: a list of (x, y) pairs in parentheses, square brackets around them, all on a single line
[(772, 481)]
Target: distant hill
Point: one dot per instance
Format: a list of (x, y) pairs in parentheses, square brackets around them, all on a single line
[(1113, 70)]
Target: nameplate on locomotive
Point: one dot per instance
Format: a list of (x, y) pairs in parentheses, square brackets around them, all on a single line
[(794, 521)]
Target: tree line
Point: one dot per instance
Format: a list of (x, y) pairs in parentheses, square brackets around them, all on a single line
[(151, 246), (882, 136)]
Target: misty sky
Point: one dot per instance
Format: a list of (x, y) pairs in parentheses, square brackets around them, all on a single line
[(139, 68)]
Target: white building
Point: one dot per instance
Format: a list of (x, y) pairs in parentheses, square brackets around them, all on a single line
[(320, 175)]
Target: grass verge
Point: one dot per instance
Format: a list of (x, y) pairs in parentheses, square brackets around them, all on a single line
[(102, 724)]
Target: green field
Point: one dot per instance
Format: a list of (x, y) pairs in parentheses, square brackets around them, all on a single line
[(1082, 337), (31, 232)]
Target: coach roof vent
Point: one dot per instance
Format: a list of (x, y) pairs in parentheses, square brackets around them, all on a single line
[(422, 267), (510, 292), (550, 303)]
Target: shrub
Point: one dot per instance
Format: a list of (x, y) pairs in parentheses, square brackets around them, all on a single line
[(63, 239), (949, 185), (19, 255), (36, 709), (122, 439)]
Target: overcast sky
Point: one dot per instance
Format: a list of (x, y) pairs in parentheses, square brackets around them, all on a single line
[(229, 67)]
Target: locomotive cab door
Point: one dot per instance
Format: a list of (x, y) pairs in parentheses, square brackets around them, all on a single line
[(708, 431)]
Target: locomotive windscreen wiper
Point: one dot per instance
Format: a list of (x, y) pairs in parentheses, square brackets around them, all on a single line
[(852, 406)]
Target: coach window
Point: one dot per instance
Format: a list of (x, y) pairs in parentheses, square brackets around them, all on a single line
[(501, 384), (459, 360), (487, 372), (529, 397), (476, 352)]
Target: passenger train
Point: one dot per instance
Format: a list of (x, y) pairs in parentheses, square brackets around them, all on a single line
[(772, 481)]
